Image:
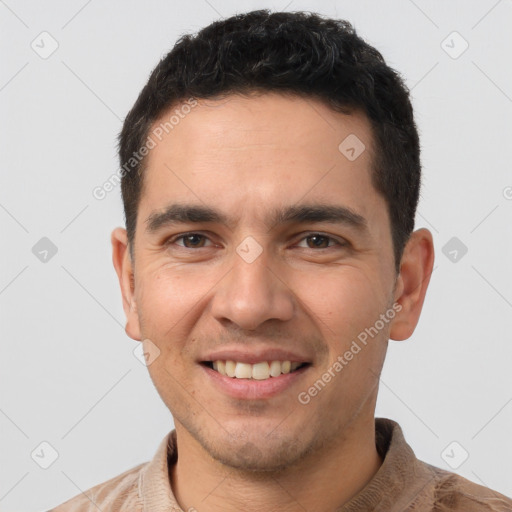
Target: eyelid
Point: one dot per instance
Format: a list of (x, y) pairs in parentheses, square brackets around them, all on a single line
[(181, 236), (303, 236), (337, 242)]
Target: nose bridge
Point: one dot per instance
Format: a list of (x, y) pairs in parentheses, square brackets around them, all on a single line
[(251, 293)]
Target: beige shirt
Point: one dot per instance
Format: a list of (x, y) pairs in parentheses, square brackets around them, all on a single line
[(402, 483)]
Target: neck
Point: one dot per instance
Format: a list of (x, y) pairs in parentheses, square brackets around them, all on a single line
[(323, 481)]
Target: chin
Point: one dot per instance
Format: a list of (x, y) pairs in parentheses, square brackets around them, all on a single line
[(257, 459), (258, 451), (252, 443)]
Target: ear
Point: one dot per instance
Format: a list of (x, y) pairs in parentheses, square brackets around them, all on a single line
[(124, 269), (412, 283)]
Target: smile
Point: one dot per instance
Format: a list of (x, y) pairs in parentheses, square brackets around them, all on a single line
[(258, 371)]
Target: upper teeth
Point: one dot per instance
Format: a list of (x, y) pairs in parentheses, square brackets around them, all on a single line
[(258, 371)]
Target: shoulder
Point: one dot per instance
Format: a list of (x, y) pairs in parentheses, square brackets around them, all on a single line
[(453, 492), (406, 483), (120, 493)]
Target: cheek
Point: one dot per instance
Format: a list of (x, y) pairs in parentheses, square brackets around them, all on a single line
[(166, 302), (345, 300), (173, 288)]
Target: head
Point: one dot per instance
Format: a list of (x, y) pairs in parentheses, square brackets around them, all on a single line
[(288, 146), (296, 53)]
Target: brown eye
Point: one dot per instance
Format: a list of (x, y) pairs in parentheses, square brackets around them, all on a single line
[(319, 241), (191, 240)]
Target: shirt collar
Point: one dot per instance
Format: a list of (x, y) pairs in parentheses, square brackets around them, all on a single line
[(154, 484), (400, 480), (397, 483)]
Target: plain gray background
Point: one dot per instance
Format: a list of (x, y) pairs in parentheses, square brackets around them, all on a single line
[(68, 373)]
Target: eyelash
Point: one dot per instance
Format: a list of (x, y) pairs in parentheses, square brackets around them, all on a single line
[(308, 235)]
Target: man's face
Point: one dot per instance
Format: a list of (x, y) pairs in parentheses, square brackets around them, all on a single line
[(261, 288)]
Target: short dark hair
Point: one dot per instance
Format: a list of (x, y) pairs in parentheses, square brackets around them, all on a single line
[(290, 52)]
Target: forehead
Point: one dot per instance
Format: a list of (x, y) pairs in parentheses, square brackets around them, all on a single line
[(261, 150), (241, 123)]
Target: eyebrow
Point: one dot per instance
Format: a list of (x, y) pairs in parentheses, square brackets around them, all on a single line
[(295, 214)]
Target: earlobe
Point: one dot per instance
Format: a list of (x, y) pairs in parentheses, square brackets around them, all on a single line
[(124, 269), (412, 283)]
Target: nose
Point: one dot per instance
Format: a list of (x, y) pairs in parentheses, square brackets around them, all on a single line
[(252, 293)]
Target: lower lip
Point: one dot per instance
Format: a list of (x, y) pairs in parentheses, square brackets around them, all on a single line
[(252, 389)]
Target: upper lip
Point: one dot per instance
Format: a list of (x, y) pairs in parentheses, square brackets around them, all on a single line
[(254, 355)]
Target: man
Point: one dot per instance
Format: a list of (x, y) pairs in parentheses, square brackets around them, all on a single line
[(270, 177)]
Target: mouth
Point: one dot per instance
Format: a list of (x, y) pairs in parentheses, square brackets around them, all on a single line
[(263, 370)]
